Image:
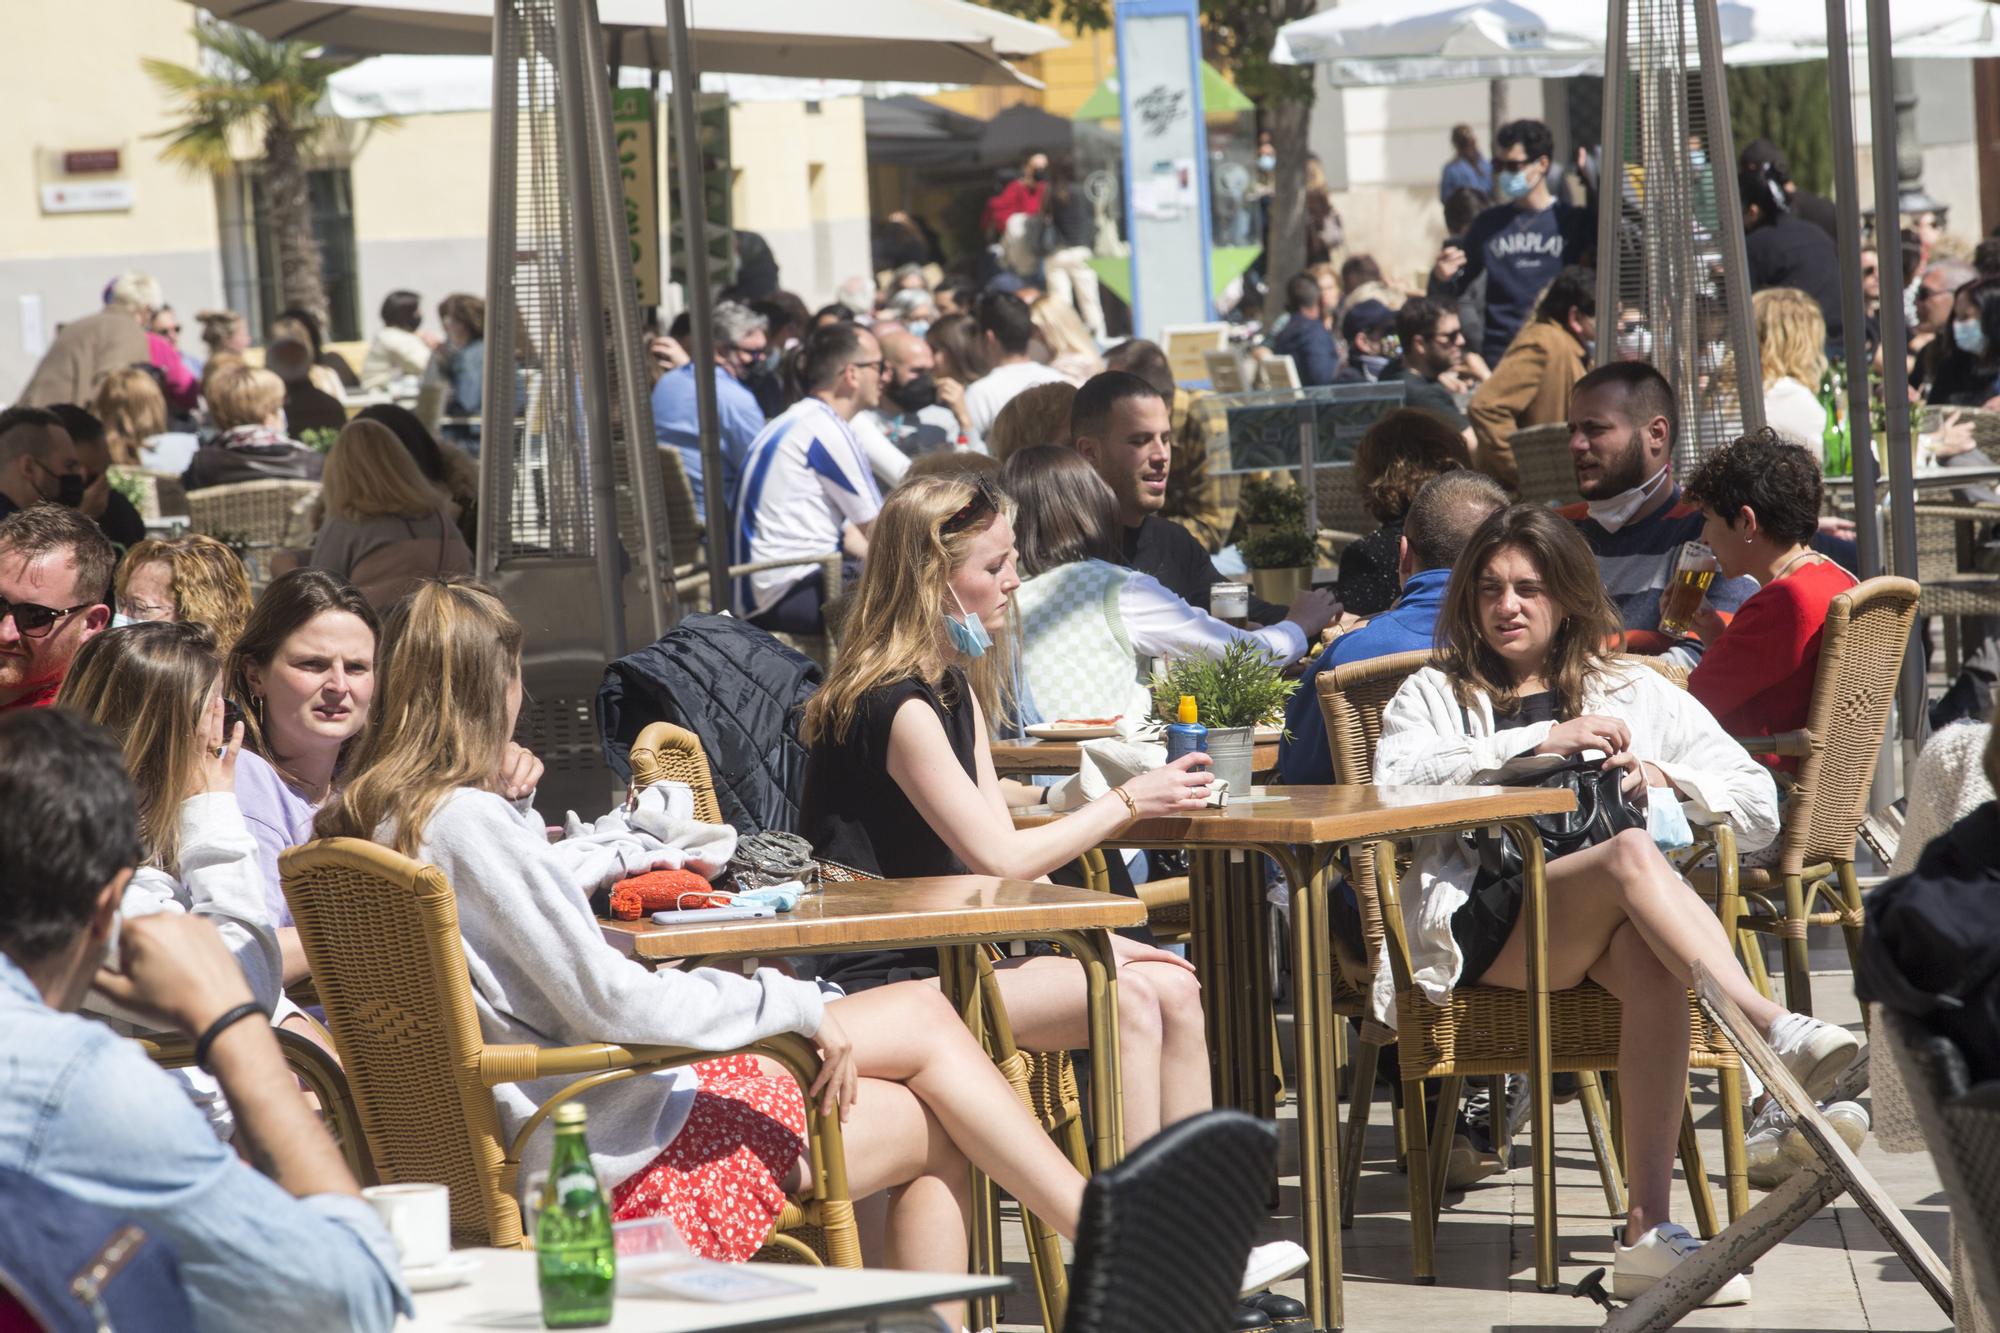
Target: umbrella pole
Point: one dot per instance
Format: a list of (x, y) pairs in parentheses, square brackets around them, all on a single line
[(701, 302), (1847, 194), (1895, 373)]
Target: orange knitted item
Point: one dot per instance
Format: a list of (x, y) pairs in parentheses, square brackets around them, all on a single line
[(636, 898)]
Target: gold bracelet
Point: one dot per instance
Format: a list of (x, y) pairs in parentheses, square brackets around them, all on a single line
[(1126, 797)]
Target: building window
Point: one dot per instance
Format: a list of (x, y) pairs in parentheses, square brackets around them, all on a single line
[(250, 249)]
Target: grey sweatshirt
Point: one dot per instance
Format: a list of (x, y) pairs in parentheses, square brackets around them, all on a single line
[(543, 973)]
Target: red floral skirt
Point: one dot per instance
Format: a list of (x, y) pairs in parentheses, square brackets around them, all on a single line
[(718, 1181)]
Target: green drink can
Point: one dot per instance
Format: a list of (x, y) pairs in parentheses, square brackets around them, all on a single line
[(575, 1255)]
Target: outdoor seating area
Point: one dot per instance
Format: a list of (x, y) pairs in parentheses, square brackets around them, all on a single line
[(997, 666)]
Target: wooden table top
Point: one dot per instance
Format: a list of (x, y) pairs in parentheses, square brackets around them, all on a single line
[(1057, 758), (880, 913), (1302, 816)]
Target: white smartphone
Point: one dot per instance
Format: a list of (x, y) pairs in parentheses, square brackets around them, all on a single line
[(692, 915)]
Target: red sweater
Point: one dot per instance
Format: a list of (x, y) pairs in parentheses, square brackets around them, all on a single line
[(1017, 196), (1757, 678)]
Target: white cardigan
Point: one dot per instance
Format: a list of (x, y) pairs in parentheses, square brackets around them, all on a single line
[(1425, 743)]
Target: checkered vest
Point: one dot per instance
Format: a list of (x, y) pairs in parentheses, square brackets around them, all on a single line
[(1075, 655)]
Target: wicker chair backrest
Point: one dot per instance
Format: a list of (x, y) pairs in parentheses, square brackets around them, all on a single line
[(381, 932), (665, 752)]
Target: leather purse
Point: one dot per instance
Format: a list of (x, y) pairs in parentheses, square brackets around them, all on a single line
[(1602, 812)]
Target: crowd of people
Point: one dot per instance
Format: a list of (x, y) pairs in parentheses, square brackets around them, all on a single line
[(1026, 518)]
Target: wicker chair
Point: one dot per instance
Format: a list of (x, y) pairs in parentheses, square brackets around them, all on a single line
[(1484, 1030), (381, 932), (1546, 474), (1952, 588), (1045, 1083), (1860, 658), (1343, 511), (260, 517)]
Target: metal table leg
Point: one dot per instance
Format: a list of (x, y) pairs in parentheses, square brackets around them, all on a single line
[(1092, 948), (1319, 1166)]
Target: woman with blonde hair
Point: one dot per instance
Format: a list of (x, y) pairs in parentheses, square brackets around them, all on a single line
[(223, 331), (714, 1146), (133, 410), (1791, 346), (158, 689), (387, 526), (1522, 672), (248, 407), (1072, 351), (194, 580)]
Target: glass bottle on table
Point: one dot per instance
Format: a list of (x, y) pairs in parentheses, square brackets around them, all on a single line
[(1836, 448), (575, 1255)]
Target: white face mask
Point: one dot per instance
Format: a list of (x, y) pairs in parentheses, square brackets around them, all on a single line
[(1616, 512)]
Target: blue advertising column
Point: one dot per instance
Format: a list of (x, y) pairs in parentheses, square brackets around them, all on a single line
[(1166, 162)]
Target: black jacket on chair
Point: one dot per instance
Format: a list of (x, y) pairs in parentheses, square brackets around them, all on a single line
[(737, 688)]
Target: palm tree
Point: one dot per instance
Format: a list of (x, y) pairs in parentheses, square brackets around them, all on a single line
[(243, 85)]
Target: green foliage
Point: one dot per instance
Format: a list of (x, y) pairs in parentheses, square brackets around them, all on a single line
[(320, 438), (1241, 688), (1273, 502), (1236, 36), (1288, 546), (243, 83), (1791, 106), (128, 484)]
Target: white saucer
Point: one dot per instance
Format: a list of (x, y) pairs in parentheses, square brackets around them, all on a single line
[(452, 1272)]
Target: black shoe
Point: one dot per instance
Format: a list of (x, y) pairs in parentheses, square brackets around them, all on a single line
[(1248, 1316), (1283, 1311)]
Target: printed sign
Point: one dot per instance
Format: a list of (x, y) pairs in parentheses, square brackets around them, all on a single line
[(638, 182)]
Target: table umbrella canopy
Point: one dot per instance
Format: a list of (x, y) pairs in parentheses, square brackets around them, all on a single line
[(935, 41), (1441, 40), (1218, 97)]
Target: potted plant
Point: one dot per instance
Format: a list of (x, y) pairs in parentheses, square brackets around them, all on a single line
[(1281, 562), (1265, 506), (1234, 694)]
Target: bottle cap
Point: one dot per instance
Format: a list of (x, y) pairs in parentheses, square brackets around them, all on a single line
[(1188, 711), (569, 1113)]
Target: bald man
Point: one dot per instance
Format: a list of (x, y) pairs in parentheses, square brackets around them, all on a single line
[(919, 414)]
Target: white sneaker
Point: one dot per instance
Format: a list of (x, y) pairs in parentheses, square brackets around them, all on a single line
[(1814, 1052), (1849, 1120), (1763, 1145), (1272, 1263), (1635, 1268)]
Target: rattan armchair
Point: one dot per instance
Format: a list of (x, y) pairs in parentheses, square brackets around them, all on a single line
[(1860, 660), (381, 932), (1484, 1030), (261, 517), (1541, 456), (1045, 1083), (1343, 510)]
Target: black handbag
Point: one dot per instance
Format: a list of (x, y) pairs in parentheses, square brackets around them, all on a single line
[(1602, 812)]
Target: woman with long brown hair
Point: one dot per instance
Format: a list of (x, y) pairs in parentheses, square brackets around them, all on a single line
[(714, 1146), (1523, 670)]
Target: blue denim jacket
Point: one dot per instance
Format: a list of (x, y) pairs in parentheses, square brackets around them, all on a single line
[(86, 1111)]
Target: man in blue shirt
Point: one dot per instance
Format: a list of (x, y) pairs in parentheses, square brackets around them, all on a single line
[(1441, 521), (1520, 245), (1468, 168), (741, 336), (286, 1243), (1305, 337)]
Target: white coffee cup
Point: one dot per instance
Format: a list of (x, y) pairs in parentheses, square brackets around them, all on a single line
[(418, 1219)]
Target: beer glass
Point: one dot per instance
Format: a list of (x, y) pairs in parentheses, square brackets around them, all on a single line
[(1694, 569)]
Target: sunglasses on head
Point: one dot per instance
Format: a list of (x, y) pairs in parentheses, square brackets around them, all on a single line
[(34, 620), (985, 501)]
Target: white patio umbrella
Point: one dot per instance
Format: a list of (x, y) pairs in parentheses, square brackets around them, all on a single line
[(1434, 41), (936, 41)]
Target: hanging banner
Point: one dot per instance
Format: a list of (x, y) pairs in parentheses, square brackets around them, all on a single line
[(719, 245), (1166, 163), (632, 129)]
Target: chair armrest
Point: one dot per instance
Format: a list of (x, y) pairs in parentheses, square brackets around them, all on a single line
[(168, 1050), (598, 1063), (1795, 743)]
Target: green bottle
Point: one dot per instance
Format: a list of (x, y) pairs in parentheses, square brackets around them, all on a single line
[(1836, 447), (574, 1252)]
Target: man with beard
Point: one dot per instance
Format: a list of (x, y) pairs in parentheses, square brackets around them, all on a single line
[(1433, 348), (1623, 422), (919, 413), (1121, 424), (55, 589)]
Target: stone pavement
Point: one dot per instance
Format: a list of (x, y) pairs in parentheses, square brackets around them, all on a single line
[(1834, 1273)]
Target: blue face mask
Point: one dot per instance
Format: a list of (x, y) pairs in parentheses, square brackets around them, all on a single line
[(918, 327), (119, 620), (1970, 336), (1513, 184), (968, 635)]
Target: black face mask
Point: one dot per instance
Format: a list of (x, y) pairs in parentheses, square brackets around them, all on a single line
[(918, 393), (69, 489)]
